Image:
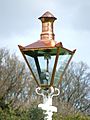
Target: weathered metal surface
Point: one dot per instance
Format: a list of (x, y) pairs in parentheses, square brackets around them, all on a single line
[(47, 14), (47, 20), (55, 65), (29, 66)]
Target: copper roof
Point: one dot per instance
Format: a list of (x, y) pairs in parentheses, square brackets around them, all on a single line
[(40, 44), (43, 44), (47, 15)]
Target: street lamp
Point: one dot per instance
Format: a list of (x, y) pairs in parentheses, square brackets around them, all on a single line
[(47, 61)]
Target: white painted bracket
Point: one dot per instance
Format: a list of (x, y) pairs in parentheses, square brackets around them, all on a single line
[(47, 101)]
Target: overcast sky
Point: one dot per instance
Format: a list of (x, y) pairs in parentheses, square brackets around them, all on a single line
[(19, 24)]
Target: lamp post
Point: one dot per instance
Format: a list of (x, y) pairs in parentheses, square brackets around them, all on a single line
[(47, 61)]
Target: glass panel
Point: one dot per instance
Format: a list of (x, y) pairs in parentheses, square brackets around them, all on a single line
[(46, 65), (62, 62), (32, 64), (42, 68)]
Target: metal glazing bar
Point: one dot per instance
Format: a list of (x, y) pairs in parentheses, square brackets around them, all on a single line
[(55, 65), (47, 65), (61, 77), (37, 65), (29, 66)]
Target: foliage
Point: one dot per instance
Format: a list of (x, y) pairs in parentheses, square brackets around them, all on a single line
[(70, 117), (36, 114), (8, 114), (29, 114), (75, 89), (15, 81)]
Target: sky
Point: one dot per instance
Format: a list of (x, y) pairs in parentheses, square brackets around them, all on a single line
[(19, 24)]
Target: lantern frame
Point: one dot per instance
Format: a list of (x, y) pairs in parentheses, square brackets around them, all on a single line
[(35, 49)]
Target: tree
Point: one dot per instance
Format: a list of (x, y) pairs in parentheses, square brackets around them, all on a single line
[(74, 90), (15, 81)]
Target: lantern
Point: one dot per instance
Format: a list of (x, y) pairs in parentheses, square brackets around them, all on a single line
[(46, 58)]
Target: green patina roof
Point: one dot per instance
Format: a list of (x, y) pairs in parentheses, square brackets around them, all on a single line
[(51, 51)]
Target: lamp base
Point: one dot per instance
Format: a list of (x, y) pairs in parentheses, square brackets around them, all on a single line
[(47, 101)]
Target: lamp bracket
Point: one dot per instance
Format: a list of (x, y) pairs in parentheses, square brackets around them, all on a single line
[(51, 92), (47, 95)]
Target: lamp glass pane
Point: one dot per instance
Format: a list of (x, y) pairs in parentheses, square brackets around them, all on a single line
[(32, 64), (46, 66), (62, 62), (42, 68)]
